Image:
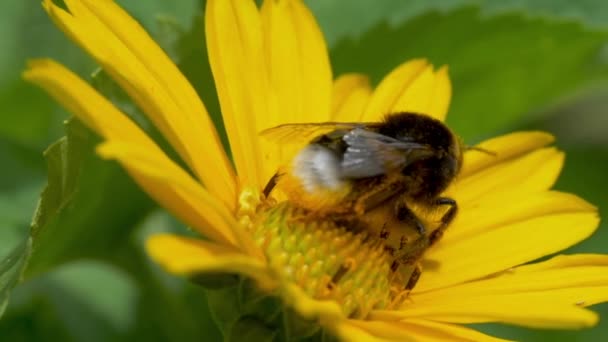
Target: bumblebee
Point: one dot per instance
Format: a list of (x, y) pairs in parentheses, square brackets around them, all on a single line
[(380, 177)]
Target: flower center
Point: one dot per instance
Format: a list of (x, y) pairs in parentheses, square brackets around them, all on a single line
[(328, 260)]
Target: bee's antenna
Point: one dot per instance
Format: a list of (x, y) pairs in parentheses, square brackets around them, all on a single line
[(480, 149)]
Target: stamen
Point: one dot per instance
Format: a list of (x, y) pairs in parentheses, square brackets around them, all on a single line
[(329, 261)]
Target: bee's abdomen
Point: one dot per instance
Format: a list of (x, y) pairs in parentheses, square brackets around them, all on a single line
[(318, 168)]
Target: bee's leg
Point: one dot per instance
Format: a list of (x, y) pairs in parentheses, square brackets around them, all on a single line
[(413, 278), (353, 225), (375, 196), (342, 270), (446, 219), (272, 182), (404, 214)]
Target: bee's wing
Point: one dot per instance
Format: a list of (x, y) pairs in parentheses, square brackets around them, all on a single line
[(304, 132), (372, 154)]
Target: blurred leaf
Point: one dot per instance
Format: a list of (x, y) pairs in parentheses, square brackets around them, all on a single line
[(501, 68), (29, 117), (89, 301), (114, 302), (20, 166), (169, 308), (92, 301), (88, 206), (79, 217), (341, 19), (11, 269), (584, 173), (592, 13), (148, 12), (16, 208), (36, 321), (351, 18)]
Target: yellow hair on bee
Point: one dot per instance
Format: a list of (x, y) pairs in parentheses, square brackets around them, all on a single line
[(320, 201)]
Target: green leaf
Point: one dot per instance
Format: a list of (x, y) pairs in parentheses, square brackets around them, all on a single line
[(351, 18), (501, 68), (29, 117), (11, 269), (91, 301), (114, 303), (88, 206), (147, 12)]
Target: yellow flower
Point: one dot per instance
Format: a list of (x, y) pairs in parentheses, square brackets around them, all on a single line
[(271, 66)]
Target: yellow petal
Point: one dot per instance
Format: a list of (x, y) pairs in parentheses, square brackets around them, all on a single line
[(561, 272), (235, 46), (143, 70), (499, 208), (84, 102), (504, 148), (298, 62), (530, 173), (347, 331), (411, 87), (194, 206), (442, 95), (537, 311), (87, 104), (421, 330), (504, 247), (562, 261), (325, 310), (299, 73), (177, 191), (188, 256), (350, 95), (567, 279)]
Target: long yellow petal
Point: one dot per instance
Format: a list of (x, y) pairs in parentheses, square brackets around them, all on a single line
[(568, 279), (536, 311), (235, 46), (499, 208), (412, 87), (530, 173), (503, 148), (441, 96), (88, 105), (298, 61), (564, 261), (143, 70), (325, 310), (392, 87), (299, 73), (176, 190), (422, 330), (198, 210), (350, 95), (504, 247), (188, 256), (349, 332)]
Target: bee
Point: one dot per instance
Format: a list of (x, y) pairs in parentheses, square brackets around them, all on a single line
[(376, 177)]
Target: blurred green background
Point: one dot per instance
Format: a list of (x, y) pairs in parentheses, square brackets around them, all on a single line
[(515, 64)]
